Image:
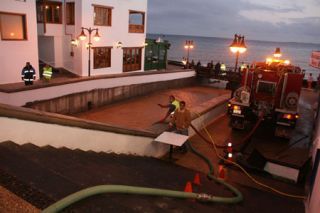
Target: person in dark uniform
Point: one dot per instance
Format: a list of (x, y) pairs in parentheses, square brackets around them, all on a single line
[(28, 74), (217, 69)]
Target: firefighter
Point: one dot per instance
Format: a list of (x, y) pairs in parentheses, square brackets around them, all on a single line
[(28, 74), (47, 72), (217, 69), (172, 106), (180, 123)]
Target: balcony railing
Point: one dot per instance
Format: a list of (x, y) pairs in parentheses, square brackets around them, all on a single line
[(135, 28)]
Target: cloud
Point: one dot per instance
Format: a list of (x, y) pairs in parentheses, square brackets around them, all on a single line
[(281, 11), (282, 20)]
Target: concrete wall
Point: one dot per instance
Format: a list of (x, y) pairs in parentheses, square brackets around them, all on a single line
[(42, 134), (79, 102), (23, 125), (15, 54), (22, 97), (218, 108)]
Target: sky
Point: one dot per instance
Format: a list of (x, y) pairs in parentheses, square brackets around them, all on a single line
[(270, 20)]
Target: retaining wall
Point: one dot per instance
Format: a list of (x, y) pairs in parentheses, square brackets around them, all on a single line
[(22, 125), (83, 101)]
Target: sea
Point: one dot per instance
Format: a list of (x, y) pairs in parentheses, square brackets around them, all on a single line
[(215, 49)]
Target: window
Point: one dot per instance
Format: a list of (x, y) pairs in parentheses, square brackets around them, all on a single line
[(102, 15), (136, 22), (101, 57), (40, 12), (70, 13), (13, 26), (51, 11), (132, 59), (268, 88)]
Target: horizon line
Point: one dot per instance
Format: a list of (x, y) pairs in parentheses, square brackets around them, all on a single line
[(203, 36)]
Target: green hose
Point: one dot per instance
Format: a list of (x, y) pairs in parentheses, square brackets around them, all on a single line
[(238, 197), (199, 154), (121, 189)]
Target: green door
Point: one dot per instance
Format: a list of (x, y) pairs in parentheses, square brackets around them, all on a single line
[(156, 54)]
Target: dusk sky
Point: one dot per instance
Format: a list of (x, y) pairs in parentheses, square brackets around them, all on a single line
[(271, 20)]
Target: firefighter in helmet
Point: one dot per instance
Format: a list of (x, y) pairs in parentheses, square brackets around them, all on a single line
[(28, 74)]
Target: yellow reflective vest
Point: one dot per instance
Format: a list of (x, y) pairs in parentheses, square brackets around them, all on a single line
[(47, 72), (176, 103)]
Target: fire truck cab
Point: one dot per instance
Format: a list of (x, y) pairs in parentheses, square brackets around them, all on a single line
[(269, 90)]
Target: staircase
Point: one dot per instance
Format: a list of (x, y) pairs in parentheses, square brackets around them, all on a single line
[(44, 175)]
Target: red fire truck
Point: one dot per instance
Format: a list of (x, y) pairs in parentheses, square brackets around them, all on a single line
[(270, 91)]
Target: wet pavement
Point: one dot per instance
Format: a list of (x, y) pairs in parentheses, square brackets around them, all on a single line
[(141, 113), (294, 152)]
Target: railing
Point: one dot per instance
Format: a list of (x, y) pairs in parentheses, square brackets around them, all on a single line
[(135, 28), (228, 75)]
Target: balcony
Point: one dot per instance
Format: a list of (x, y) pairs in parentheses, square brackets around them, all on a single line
[(136, 28)]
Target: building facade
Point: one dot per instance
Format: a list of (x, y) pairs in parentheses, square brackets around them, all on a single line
[(18, 38), (120, 25), (44, 30)]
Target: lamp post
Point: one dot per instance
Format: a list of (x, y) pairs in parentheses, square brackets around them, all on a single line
[(83, 37), (238, 46), (188, 45), (277, 53)]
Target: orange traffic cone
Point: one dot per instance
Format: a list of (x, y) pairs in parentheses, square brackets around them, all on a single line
[(196, 179), (222, 171), (188, 187)]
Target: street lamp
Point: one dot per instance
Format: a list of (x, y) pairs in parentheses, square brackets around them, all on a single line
[(238, 46), (83, 37), (188, 45)]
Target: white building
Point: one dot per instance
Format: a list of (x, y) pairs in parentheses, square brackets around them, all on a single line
[(121, 26), (18, 38)]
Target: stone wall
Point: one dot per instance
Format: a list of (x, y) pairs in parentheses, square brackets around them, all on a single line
[(83, 101)]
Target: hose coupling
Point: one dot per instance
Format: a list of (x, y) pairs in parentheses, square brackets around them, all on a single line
[(204, 197)]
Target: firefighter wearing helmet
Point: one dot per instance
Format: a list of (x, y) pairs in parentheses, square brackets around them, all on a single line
[(28, 74)]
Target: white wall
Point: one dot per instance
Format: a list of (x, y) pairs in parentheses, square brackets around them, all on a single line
[(51, 29), (313, 204), (213, 114), (314, 200), (15, 54), (46, 52), (21, 98), (42, 134)]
